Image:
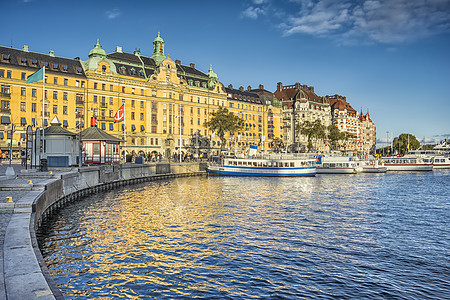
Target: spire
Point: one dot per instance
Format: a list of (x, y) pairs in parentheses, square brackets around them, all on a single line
[(158, 49), (213, 79)]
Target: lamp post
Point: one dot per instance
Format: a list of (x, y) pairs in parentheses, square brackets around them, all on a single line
[(387, 141)]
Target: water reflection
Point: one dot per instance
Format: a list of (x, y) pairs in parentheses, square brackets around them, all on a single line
[(325, 236)]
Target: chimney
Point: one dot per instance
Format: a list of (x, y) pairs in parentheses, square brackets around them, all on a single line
[(178, 62), (25, 48), (249, 88), (261, 87), (241, 88), (192, 65), (298, 85), (230, 86), (279, 86), (51, 53), (119, 49), (137, 52)]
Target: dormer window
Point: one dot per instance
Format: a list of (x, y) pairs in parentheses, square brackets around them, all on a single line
[(79, 70), (103, 68), (34, 63), (55, 66), (5, 58), (23, 61), (65, 68), (133, 72), (141, 73)]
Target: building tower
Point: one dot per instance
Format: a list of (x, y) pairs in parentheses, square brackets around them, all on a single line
[(158, 50)]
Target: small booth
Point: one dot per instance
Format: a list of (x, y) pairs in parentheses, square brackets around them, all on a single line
[(99, 147), (61, 145)]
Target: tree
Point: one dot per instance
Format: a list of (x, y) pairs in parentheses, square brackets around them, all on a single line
[(223, 121), (404, 143), (313, 131), (335, 136)]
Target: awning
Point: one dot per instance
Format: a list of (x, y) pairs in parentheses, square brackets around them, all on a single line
[(23, 121), (142, 128), (65, 123), (5, 120), (133, 127)]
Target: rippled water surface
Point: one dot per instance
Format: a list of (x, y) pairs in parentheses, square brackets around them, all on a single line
[(364, 236)]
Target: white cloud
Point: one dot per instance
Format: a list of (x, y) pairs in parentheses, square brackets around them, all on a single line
[(112, 14), (381, 21), (253, 12)]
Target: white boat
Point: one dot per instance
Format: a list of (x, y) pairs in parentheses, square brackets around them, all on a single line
[(277, 167), (371, 166), (407, 163), (438, 158), (336, 165), (439, 161)]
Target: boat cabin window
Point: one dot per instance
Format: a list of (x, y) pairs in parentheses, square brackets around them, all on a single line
[(291, 164)]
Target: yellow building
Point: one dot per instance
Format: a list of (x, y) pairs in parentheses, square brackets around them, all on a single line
[(21, 103), (165, 101)]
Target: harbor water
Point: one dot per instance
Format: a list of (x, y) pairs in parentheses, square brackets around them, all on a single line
[(363, 236)]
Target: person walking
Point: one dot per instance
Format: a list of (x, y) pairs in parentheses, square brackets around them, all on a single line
[(23, 158)]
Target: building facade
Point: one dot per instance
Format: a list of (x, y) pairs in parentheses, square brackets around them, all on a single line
[(300, 103), (165, 101), (368, 134), (261, 118)]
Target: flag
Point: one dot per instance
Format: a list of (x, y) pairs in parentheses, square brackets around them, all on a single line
[(36, 76), (120, 114)]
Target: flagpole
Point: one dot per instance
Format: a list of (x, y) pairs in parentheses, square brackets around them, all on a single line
[(43, 107), (125, 130)]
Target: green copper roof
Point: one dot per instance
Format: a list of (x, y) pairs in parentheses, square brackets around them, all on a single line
[(97, 51), (211, 73), (158, 39)]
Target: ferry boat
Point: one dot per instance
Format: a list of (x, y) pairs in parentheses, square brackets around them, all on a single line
[(438, 161), (407, 163), (336, 165), (371, 166), (277, 167)]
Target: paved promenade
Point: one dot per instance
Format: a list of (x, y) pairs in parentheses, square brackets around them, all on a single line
[(18, 188)]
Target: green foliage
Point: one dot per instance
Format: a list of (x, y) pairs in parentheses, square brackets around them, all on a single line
[(404, 143), (312, 130), (335, 136), (223, 121)]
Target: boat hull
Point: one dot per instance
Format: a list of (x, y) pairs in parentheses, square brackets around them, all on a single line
[(261, 172), (374, 170), (322, 170), (410, 168)]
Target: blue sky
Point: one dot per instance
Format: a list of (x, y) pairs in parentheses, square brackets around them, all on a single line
[(388, 57)]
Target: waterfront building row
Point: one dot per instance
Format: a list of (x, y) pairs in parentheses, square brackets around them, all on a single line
[(165, 101)]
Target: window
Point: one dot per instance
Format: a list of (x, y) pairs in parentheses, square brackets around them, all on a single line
[(153, 129), (132, 103), (103, 86), (34, 63), (2, 73), (55, 95), (95, 99), (65, 96), (64, 110), (95, 85), (65, 68), (142, 92), (23, 61), (111, 87), (33, 93), (111, 114), (142, 117), (23, 76), (65, 81), (55, 109), (142, 104), (111, 126), (82, 84), (79, 98), (8, 74), (132, 115), (132, 91), (33, 107), (5, 106), (5, 90), (23, 92), (154, 93), (55, 66), (55, 80), (110, 100), (103, 68), (79, 70), (77, 83), (123, 89), (180, 97), (22, 106)]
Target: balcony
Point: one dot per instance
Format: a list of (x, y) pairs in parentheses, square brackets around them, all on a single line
[(47, 114), (105, 118), (80, 102), (5, 110), (104, 105), (5, 95)]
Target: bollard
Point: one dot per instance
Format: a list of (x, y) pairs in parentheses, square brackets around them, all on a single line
[(9, 199), (50, 172), (30, 182)]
